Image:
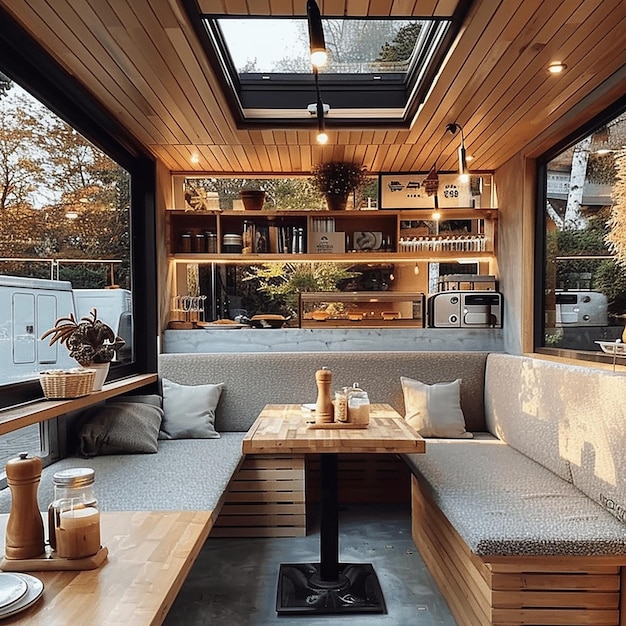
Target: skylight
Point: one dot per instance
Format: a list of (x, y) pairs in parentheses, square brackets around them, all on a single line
[(378, 72)]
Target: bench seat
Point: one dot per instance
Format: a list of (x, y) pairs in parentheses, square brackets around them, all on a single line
[(503, 503), (185, 474)]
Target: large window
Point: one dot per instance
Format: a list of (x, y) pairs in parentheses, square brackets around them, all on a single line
[(64, 236), (584, 244), (78, 212)]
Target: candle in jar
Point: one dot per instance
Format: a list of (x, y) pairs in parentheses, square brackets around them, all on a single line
[(78, 532)]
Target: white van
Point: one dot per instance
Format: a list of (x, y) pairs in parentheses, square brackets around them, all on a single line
[(30, 306)]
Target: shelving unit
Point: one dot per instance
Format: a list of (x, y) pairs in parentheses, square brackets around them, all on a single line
[(357, 236)]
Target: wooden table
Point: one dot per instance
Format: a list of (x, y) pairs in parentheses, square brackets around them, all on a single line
[(150, 555), (329, 586)]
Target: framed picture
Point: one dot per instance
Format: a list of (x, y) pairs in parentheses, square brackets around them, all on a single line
[(407, 191)]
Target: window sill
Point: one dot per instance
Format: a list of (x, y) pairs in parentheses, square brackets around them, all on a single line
[(41, 410)]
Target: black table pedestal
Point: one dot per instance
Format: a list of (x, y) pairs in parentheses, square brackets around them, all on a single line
[(329, 586)]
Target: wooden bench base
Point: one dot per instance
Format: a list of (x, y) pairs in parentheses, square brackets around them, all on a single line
[(543, 590), (265, 498), (364, 479)]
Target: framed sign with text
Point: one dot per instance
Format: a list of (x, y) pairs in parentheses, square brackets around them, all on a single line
[(407, 191)]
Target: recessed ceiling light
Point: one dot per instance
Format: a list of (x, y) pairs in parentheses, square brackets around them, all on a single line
[(194, 159), (557, 67)]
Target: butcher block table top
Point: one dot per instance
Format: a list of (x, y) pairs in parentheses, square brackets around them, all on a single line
[(283, 428), (150, 555)]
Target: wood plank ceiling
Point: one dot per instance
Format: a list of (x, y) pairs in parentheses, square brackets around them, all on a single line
[(143, 61)]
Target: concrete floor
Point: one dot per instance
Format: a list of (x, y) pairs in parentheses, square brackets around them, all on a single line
[(233, 581)]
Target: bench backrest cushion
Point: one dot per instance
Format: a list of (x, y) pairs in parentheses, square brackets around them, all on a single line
[(569, 418), (253, 380)]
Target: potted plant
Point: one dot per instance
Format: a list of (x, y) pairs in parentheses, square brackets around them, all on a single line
[(90, 341), (336, 180), (253, 198)]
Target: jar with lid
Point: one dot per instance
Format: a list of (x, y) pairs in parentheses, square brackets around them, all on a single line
[(73, 515), (358, 406), (185, 242)]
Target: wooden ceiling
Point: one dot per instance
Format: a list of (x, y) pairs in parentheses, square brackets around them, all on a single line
[(142, 60)]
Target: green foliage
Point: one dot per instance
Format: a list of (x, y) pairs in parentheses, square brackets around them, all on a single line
[(338, 177), (610, 279), (282, 282), (402, 45)]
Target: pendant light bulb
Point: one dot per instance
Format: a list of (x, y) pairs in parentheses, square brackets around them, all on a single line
[(319, 54), (322, 138)]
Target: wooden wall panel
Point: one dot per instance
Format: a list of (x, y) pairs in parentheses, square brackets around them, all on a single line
[(143, 61)]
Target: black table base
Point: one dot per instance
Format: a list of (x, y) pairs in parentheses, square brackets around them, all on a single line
[(301, 590)]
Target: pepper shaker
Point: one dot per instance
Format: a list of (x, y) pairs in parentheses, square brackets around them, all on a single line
[(324, 405), (24, 533)]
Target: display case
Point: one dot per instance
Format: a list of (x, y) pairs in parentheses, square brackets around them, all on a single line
[(372, 309)]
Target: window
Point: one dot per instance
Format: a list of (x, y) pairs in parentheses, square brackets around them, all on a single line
[(379, 69), (125, 174), (64, 237), (584, 244)]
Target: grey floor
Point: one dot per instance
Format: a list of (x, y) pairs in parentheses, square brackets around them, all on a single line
[(233, 581)]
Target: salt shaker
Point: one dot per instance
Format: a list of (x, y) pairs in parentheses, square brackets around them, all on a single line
[(324, 405), (24, 533)]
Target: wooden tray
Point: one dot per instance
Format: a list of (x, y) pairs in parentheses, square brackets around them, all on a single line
[(49, 562), (336, 425)]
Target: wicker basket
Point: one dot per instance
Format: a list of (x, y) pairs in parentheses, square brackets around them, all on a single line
[(64, 384)]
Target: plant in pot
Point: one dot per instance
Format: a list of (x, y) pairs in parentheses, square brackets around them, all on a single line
[(336, 180), (90, 341), (253, 198)]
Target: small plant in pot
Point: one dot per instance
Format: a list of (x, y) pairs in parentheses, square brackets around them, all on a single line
[(253, 198), (336, 180), (90, 341)]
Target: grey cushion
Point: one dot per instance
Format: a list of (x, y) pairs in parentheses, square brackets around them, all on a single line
[(184, 475), (189, 410), (253, 380), (503, 503), (120, 427)]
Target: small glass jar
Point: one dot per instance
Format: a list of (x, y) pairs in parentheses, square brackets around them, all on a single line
[(358, 406), (73, 515), (341, 405), (185, 243)]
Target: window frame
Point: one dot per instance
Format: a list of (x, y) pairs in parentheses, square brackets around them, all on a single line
[(26, 62), (605, 116), (395, 96)]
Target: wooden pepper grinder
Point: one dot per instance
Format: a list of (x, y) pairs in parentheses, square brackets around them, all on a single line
[(324, 404), (24, 532)]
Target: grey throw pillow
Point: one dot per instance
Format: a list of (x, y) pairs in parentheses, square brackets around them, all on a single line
[(189, 410), (434, 410), (120, 427)]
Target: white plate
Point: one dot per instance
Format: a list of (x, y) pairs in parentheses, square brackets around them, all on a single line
[(34, 592), (12, 588)]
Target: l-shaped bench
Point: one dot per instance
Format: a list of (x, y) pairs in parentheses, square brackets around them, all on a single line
[(522, 524)]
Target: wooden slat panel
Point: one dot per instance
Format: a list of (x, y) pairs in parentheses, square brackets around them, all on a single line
[(144, 62), (536, 590), (267, 492)]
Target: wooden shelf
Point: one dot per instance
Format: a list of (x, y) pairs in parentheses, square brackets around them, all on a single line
[(40, 410), (347, 257)]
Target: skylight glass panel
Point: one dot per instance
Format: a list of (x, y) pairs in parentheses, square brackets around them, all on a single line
[(355, 46)]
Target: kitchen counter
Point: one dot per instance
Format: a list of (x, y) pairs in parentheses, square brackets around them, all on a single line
[(333, 340)]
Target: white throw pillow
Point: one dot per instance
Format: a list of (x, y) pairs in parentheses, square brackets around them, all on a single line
[(189, 411), (434, 410)]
